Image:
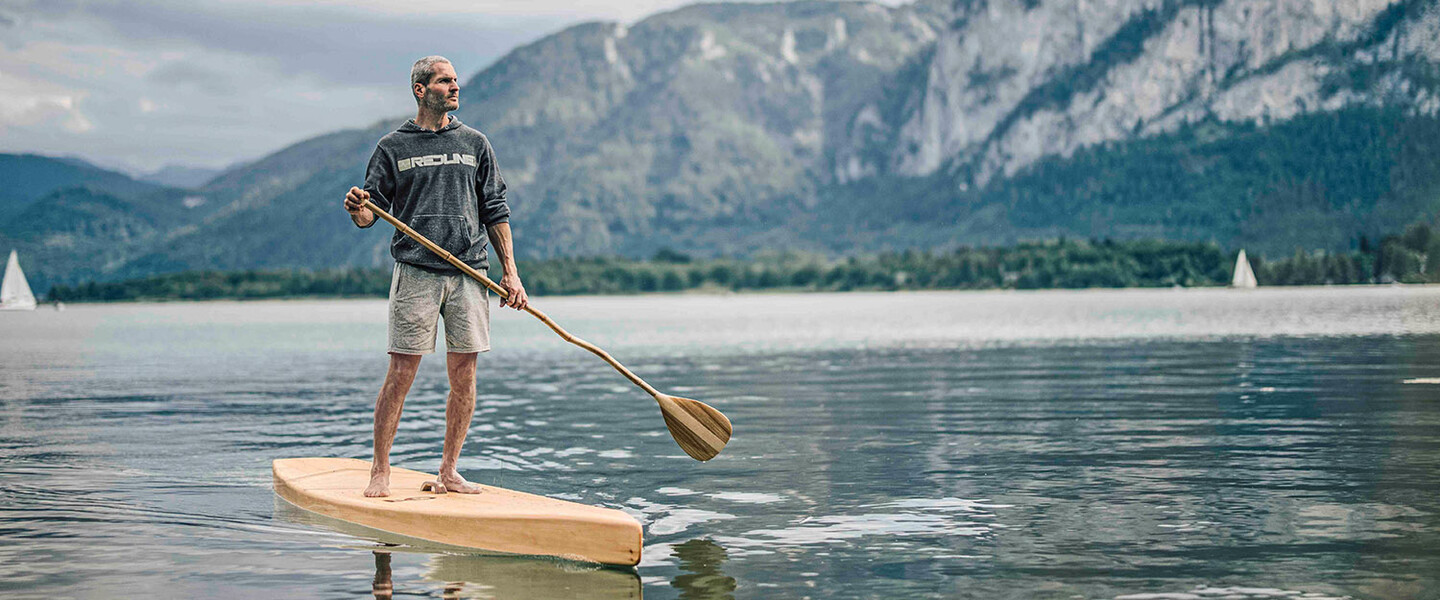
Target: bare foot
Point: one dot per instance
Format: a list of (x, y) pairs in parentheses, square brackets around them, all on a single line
[(379, 485), (453, 482)]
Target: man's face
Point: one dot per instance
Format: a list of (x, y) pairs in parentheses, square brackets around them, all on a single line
[(443, 93)]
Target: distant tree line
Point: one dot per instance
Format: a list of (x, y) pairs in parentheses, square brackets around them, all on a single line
[(242, 285), (1062, 263), (1411, 257)]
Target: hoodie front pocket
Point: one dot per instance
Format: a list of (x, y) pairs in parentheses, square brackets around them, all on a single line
[(447, 231)]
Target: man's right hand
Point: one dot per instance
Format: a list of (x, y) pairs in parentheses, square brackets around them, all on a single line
[(355, 205)]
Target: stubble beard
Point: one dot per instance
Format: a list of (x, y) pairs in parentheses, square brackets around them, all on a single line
[(441, 104)]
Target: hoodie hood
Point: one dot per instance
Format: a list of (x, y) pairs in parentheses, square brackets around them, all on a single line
[(411, 127)]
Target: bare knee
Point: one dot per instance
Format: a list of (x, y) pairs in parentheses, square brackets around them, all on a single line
[(461, 362), (403, 367), (461, 366), (404, 362)]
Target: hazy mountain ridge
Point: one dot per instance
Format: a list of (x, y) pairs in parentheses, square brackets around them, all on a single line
[(182, 176), (30, 177), (850, 127), (279, 211)]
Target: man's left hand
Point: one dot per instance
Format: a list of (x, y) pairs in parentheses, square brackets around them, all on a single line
[(515, 290)]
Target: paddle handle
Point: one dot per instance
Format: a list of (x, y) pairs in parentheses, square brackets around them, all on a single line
[(478, 276)]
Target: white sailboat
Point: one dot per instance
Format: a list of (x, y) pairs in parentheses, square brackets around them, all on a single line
[(1244, 277), (15, 292)]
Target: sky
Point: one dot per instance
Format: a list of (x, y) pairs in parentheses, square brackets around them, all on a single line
[(138, 85)]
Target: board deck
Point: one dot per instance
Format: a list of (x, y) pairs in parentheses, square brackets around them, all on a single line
[(496, 520)]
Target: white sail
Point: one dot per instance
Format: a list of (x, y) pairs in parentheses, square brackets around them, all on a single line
[(1244, 277), (15, 292)]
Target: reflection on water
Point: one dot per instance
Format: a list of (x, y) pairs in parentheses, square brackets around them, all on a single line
[(497, 577), (466, 574), (702, 562), (382, 587), (1150, 444)]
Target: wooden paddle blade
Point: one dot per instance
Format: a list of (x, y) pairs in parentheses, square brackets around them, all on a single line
[(701, 431)]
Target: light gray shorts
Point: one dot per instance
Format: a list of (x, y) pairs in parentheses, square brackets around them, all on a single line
[(419, 298)]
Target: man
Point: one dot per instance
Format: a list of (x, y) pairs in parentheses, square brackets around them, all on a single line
[(440, 178)]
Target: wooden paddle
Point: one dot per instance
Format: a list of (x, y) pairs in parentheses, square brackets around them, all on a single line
[(700, 430)]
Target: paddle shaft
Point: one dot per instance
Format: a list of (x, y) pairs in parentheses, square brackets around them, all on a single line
[(478, 276)]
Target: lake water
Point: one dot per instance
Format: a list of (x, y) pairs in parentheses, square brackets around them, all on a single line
[(1145, 444)]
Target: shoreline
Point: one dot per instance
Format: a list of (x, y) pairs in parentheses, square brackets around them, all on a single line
[(757, 292)]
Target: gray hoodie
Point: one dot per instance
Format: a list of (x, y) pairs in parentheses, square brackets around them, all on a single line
[(444, 184)]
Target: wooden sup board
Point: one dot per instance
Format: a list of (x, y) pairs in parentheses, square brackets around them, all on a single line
[(496, 520)]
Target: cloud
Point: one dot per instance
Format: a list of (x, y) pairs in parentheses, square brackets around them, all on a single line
[(75, 122), (26, 102), (153, 83), (35, 110), (332, 42), (206, 77)]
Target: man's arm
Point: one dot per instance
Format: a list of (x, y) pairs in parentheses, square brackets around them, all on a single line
[(379, 189), (510, 281), (362, 216)]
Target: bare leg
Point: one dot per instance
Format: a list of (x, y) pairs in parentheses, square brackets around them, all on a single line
[(387, 419), (458, 410)]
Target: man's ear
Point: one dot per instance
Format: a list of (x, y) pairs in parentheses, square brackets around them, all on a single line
[(417, 90)]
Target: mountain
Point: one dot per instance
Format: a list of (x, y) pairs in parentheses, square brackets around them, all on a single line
[(182, 176), (1331, 99), (705, 128), (28, 177), (851, 127), (281, 211), (1011, 83), (82, 233), (72, 221)]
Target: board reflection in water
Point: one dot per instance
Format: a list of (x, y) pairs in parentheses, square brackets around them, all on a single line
[(478, 576), (701, 560)]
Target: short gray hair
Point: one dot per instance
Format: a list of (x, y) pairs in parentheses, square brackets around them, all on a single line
[(424, 69)]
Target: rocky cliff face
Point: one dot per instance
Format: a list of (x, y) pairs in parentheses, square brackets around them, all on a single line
[(1013, 82)]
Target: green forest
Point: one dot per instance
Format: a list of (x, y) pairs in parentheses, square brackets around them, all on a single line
[(1061, 263)]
